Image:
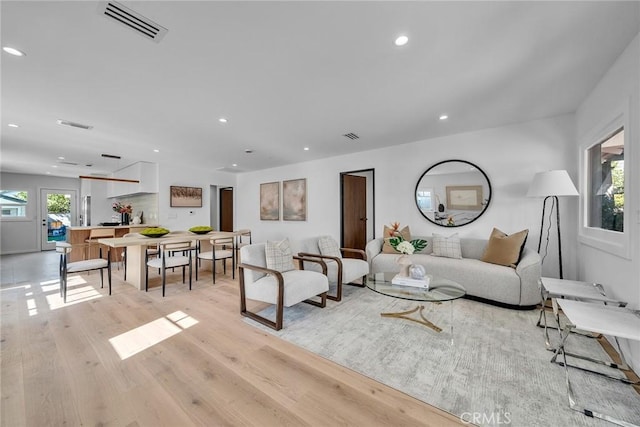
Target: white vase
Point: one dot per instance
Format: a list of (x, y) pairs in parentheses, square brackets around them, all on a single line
[(405, 262), (136, 220)]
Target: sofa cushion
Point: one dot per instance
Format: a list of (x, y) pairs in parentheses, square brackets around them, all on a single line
[(388, 233), (279, 256), (504, 249), (448, 247), (329, 247)]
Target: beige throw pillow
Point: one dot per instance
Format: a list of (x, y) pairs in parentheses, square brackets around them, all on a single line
[(329, 247), (448, 247), (504, 249), (387, 233), (279, 256)]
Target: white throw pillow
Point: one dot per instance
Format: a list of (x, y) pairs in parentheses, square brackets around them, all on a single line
[(448, 247), (329, 247), (279, 256)]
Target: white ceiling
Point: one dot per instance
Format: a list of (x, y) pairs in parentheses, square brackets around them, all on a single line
[(288, 75)]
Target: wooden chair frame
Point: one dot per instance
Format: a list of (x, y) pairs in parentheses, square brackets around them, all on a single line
[(338, 260), (277, 325)]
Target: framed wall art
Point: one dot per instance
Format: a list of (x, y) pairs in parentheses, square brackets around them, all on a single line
[(294, 200), (270, 201), (186, 197), (464, 197)]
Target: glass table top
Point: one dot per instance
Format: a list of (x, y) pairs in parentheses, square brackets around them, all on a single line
[(440, 289)]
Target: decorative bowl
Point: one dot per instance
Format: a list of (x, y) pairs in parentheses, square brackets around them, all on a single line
[(154, 232), (201, 229)]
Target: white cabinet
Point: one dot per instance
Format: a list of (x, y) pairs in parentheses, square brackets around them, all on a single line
[(145, 172)]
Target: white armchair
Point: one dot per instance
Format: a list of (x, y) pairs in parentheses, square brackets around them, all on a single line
[(282, 288), (339, 270)]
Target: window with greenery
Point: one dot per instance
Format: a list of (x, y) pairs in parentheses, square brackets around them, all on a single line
[(606, 183), (13, 203), (425, 199)]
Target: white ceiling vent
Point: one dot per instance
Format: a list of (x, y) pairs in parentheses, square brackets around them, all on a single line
[(351, 136), (132, 20)]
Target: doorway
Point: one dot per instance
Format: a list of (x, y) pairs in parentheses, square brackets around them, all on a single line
[(226, 209), (357, 208), (57, 211)]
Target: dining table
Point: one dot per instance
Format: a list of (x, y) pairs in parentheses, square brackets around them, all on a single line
[(137, 245)]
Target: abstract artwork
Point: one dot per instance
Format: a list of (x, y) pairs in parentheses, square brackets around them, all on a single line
[(186, 197), (294, 200), (270, 201)]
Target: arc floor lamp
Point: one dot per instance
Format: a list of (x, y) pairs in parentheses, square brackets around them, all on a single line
[(551, 185)]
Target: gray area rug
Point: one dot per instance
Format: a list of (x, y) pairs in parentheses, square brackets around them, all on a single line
[(493, 369)]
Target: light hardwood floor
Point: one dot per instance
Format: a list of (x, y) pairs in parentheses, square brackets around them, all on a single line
[(59, 367)]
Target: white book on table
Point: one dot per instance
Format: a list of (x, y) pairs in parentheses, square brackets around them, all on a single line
[(408, 281)]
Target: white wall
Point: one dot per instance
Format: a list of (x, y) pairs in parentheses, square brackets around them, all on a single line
[(509, 155), (620, 276), (184, 218), (23, 235)]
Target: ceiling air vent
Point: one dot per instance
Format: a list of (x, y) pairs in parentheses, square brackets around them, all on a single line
[(351, 135), (74, 124), (140, 24), (62, 162)]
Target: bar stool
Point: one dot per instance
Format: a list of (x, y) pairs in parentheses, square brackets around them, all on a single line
[(94, 235)]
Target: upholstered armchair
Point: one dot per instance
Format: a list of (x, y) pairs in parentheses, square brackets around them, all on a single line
[(339, 270), (274, 280)]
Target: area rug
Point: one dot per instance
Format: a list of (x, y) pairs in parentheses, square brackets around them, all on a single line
[(492, 370)]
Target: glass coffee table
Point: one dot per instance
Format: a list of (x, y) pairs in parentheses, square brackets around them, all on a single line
[(440, 290)]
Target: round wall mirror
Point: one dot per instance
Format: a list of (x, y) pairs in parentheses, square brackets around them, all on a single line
[(453, 193)]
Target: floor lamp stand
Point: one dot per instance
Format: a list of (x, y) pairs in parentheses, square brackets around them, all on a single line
[(554, 202)]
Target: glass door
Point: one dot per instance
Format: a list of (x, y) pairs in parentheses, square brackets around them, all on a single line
[(58, 210)]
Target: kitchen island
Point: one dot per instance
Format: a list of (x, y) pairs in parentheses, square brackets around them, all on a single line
[(77, 235)]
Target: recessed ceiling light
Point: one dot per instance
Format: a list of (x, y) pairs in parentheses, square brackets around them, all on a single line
[(401, 41), (13, 125), (13, 51), (60, 158), (444, 117), (222, 120), (306, 148), (156, 151), (234, 165), (54, 166)]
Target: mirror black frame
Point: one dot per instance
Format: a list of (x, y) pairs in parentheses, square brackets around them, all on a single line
[(441, 206)]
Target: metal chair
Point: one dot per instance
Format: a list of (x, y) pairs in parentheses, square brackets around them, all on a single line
[(66, 267), (222, 249), (163, 261)]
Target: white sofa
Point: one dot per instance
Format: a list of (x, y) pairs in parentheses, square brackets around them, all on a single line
[(515, 287)]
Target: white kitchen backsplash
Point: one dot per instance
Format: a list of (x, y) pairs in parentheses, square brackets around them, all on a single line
[(146, 203)]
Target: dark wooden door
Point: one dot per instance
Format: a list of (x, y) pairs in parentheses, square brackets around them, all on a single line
[(226, 209), (354, 212)]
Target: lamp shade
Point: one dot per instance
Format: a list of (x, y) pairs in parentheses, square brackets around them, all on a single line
[(552, 183)]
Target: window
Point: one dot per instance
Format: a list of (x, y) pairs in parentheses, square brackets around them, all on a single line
[(605, 207), (13, 203), (606, 192), (425, 199)]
